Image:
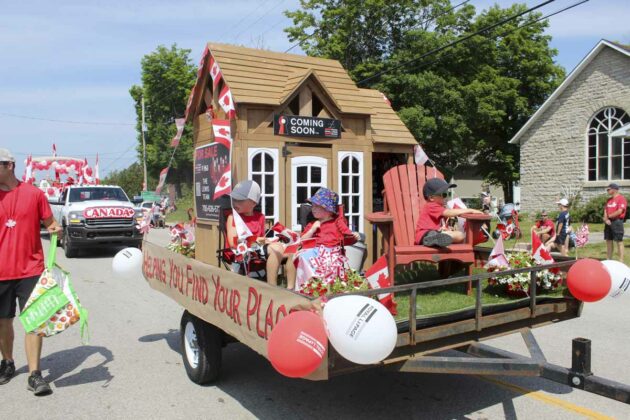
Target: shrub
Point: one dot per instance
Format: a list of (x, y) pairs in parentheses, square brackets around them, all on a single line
[(593, 210)]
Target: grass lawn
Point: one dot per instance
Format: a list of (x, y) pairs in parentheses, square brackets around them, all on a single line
[(180, 214)]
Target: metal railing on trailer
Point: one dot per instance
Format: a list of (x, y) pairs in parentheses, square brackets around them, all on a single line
[(490, 360)]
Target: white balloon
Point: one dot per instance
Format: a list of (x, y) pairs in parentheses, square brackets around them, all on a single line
[(361, 329), (127, 264), (620, 278)]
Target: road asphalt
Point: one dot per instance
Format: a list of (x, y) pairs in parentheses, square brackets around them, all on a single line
[(132, 368)]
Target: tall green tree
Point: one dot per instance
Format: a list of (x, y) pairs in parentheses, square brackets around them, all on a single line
[(129, 179), (167, 77), (464, 103)]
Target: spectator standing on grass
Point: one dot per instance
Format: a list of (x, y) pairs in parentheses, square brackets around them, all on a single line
[(562, 227), (614, 215), (22, 208)]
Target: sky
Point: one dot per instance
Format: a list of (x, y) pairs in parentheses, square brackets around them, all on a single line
[(75, 60)]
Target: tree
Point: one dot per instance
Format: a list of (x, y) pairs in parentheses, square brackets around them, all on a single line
[(167, 78), (130, 179), (463, 103)]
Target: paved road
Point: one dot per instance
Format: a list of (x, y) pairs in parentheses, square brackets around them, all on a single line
[(132, 369)]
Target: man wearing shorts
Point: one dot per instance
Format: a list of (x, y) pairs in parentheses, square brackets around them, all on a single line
[(22, 207), (614, 215)]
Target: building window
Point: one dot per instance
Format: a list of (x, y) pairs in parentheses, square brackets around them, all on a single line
[(608, 157), (308, 174), (351, 188), (263, 168)]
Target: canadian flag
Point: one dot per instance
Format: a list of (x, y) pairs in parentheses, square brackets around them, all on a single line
[(419, 156), (222, 132), (86, 172), (497, 255), (179, 124), (378, 278), (286, 235), (387, 101), (162, 180), (224, 186), (226, 102), (242, 231), (457, 203), (215, 72), (97, 177), (28, 170), (539, 252)]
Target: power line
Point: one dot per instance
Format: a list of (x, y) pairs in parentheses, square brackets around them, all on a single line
[(457, 41), (28, 117), (260, 18)]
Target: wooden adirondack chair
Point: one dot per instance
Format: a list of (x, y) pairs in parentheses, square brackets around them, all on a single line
[(403, 199)]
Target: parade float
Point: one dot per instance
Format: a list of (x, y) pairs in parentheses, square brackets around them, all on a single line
[(295, 124)]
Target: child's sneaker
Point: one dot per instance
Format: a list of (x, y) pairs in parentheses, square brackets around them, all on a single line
[(37, 384), (7, 370), (435, 238)]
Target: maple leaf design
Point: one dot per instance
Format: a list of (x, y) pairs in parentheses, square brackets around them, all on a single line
[(223, 132), (222, 181), (10, 223)]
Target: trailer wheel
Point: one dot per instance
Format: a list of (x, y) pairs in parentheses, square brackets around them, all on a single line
[(201, 345)]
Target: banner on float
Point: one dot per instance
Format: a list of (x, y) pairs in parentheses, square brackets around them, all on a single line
[(246, 309)]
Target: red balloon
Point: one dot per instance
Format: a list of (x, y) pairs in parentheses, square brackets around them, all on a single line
[(297, 344), (588, 280)]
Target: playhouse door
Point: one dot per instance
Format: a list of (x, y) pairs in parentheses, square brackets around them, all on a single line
[(308, 174)]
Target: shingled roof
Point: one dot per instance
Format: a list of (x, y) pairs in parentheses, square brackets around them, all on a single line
[(270, 78)]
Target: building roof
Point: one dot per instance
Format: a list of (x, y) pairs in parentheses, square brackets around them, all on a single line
[(270, 78), (624, 49)]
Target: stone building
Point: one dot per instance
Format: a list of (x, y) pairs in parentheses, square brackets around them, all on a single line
[(576, 141)]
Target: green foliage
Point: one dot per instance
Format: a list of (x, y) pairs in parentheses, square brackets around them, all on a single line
[(463, 103), (167, 78), (130, 179), (593, 210)]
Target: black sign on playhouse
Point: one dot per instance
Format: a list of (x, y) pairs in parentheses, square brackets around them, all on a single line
[(297, 126)]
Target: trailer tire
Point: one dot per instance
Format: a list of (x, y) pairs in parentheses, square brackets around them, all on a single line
[(201, 345)]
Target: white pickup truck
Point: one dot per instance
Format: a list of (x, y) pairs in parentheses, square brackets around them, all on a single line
[(96, 215)]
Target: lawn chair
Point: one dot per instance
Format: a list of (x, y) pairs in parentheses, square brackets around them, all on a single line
[(403, 199)]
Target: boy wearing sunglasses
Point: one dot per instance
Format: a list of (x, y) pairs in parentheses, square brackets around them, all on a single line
[(431, 227)]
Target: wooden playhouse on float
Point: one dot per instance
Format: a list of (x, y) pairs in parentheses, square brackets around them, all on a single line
[(296, 124)]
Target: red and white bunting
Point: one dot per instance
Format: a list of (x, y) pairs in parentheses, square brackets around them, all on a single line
[(419, 156), (162, 180), (179, 124), (97, 177), (227, 103), (54, 150), (215, 72), (378, 278), (222, 132), (497, 256), (224, 186)]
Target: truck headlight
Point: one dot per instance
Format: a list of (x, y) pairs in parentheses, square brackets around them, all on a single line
[(75, 218)]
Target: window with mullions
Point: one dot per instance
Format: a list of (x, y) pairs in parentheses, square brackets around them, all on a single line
[(351, 188), (608, 157), (263, 169)]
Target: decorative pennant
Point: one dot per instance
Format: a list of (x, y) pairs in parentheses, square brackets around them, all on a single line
[(97, 177), (189, 103), (227, 103), (222, 132), (180, 123), (160, 185), (420, 157), (215, 72), (387, 101)]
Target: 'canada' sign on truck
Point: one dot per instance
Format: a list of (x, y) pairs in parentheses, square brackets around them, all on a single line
[(108, 212)]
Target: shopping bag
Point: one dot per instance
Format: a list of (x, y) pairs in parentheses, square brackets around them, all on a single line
[(53, 305)]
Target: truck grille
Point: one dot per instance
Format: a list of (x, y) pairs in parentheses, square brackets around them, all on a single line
[(108, 222)]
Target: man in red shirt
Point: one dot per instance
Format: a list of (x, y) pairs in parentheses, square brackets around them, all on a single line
[(545, 229), (22, 207), (614, 215), (431, 227)]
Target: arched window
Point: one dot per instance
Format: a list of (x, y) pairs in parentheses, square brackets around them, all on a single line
[(351, 188), (263, 168), (608, 157)]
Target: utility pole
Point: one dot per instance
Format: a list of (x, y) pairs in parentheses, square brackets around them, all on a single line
[(144, 148)]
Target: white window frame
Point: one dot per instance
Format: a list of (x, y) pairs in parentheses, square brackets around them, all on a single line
[(304, 161), (361, 210), (251, 153), (609, 120)]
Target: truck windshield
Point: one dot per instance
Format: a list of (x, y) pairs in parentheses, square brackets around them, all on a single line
[(89, 194)]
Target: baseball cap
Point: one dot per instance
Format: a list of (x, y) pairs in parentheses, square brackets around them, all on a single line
[(612, 186), (6, 156), (485, 194), (246, 190), (436, 186), (563, 202)]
